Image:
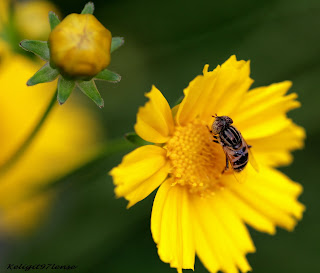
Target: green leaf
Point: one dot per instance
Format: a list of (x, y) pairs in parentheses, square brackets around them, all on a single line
[(89, 88), (88, 8), (107, 75), (116, 43), (39, 48), (135, 139), (179, 100), (44, 74), (65, 88), (53, 20)]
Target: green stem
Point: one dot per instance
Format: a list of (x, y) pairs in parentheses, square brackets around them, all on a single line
[(26, 143)]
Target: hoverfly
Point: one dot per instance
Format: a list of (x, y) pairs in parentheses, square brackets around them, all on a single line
[(236, 149)]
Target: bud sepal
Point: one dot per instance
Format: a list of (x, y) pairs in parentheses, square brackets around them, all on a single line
[(90, 89), (65, 89), (88, 8), (116, 43), (53, 20), (109, 76), (39, 48), (45, 74)]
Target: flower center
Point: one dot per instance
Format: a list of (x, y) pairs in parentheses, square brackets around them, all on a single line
[(197, 161)]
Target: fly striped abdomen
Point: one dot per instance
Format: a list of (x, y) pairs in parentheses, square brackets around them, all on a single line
[(240, 160)]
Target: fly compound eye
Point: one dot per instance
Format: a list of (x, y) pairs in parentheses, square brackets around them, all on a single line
[(226, 120), (217, 126), (230, 121)]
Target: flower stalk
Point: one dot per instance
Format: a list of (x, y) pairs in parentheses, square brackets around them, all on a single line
[(26, 143)]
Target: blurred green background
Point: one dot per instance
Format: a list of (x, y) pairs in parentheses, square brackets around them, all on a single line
[(167, 44)]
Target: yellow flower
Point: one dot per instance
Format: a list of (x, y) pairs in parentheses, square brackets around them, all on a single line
[(60, 146), (80, 46), (198, 209)]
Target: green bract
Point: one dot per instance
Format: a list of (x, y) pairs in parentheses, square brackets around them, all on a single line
[(66, 84), (135, 139)]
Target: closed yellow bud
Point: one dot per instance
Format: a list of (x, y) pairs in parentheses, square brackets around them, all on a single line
[(80, 46)]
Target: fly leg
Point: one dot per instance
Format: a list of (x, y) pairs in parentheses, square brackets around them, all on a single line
[(215, 137), (227, 165)]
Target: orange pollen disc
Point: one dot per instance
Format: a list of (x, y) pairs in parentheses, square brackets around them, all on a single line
[(197, 161)]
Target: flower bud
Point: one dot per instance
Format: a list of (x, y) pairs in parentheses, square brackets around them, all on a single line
[(80, 46)]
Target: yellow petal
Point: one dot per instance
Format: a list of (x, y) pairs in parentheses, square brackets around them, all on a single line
[(171, 226), (214, 236), (140, 173), (154, 120), (233, 224), (217, 91), (248, 213), (147, 186), (271, 194), (275, 150), (205, 250), (262, 111)]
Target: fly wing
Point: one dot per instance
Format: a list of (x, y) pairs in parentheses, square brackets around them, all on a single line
[(239, 176), (252, 160)]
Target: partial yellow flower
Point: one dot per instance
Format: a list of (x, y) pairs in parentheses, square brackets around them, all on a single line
[(31, 18), (80, 46), (199, 209), (4, 52), (60, 146), (4, 7)]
